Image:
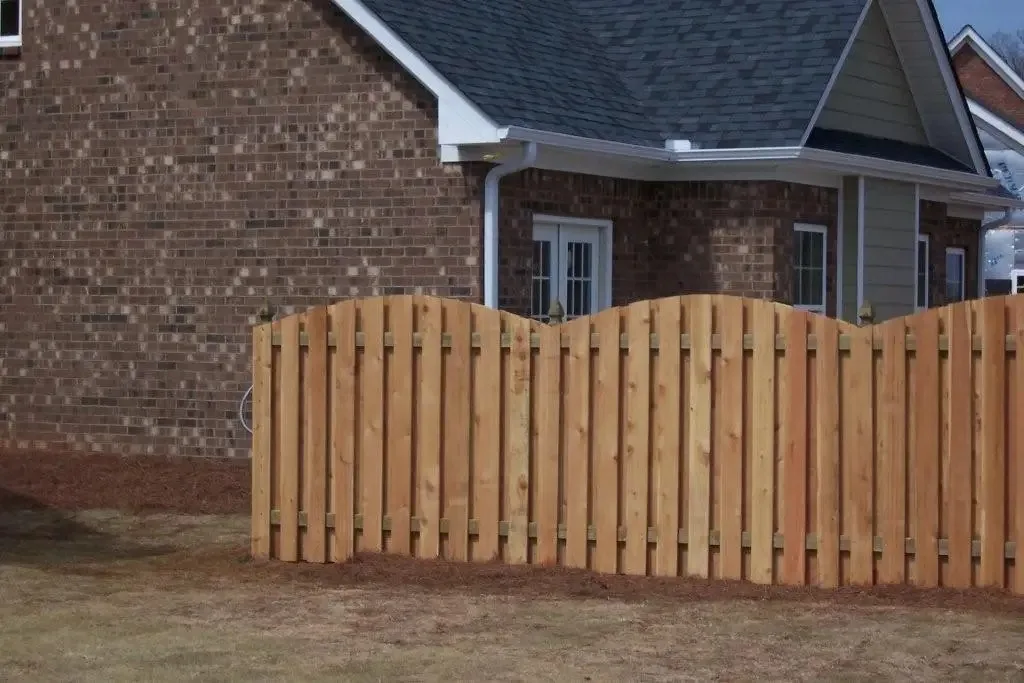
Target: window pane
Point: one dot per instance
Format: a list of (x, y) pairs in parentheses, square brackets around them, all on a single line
[(579, 278), (9, 17), (540, 294)]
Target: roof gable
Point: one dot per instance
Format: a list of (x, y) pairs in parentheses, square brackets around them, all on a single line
[(970, 39), (746, 73)]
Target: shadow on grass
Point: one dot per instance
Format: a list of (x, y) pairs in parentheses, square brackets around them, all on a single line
[(34, 534)]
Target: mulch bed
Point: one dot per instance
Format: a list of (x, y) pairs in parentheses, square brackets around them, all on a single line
[(84, 481), (76, 481)]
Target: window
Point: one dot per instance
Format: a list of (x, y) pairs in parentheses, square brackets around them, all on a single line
[(571, 264), (809, 269), (956, 260), (923, 278), (10, 23), (1017, 282)]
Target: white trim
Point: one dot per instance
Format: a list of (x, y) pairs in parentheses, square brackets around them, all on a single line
[(941, 53), (840, 270), (860, 245), (459, 120), (1014, 274), (606, 235), (962, 253), (996, 126), (833, 162), (16, 41), (925, 240), (989, 56), (836, 71), (986, 200), (823, 231)]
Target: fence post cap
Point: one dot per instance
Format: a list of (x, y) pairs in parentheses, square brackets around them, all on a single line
[(866, 313), (556, 313)]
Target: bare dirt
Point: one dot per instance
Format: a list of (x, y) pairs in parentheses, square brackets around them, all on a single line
[(136, 569)]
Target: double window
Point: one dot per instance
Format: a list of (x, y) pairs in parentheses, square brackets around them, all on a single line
[(10, 23), (809, 268), (571, 265)]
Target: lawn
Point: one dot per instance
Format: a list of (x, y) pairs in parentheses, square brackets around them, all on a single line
[(115, 596)]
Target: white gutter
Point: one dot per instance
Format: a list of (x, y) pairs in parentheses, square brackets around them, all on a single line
[(851, 164), (987, 201), (491, 197)]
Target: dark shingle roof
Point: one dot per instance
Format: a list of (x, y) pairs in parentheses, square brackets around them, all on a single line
[(880, 148), (721, 73)]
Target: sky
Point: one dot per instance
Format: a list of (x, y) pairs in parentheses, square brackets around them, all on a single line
[(986, 16)]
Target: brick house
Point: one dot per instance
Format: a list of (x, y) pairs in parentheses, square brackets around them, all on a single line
[(995, 98), (166, 167)]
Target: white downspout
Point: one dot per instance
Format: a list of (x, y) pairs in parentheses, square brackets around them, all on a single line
[(527, 160)]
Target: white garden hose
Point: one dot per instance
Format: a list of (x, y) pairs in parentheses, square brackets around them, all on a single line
[(241, 409)]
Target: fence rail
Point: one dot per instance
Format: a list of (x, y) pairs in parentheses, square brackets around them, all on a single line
[(685, 436)]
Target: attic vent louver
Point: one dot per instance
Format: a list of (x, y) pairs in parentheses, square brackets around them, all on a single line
[(680, 145)]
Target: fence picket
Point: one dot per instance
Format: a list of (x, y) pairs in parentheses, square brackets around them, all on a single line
[(399, 427), (290, 415), (549, 439), (577, 456), (606, 443), (314, 442), (666, 436), (729, 445), (343, 442), (859, 453), (456, 429), (636, 464), (762, 519), (892, 452), (699, 317), (428, 447), (517, 435), (1016, 454), (794, 422), (487, 412), (262, 438), (371, 461), (925, 426), (959, 476), (827, 415), (992, 497)]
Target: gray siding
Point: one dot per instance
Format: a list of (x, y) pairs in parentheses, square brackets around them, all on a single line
[(871, 95), (848, 268), (890, 247)]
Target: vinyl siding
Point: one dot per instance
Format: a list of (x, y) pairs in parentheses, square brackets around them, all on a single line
[(890, 244), (871, 96)]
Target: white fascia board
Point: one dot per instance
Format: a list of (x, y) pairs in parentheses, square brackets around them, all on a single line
[(986, 200), (895, 170), (939, 49), (459, 120), (996, 126), (581, 144)]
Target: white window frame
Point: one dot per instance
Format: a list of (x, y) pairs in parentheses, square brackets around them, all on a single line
[(15, 40), (548, 227), (926, 241), (823, 231), (962, 254), (1014, 274)]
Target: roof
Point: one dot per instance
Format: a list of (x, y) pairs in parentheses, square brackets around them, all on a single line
[(880, 148), (968, 36), (729, 74)]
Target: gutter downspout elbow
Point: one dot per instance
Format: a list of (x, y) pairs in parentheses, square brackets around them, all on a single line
[(491, 195)]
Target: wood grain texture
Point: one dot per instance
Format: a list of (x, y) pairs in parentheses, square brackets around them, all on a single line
[(607, 325), (958, 438), (698, 490), (487, 416), (428, 432), (371, 460), (549, 439), (290, 411), (262, 439), (793, 442), (400, 425), (666, 456), (762, 521), (636, 467), (925, 421), (827, 487), (729, 442), (517, 436), (314, 418), (344, 395), (892, 452), (992, 454), (456, 428)]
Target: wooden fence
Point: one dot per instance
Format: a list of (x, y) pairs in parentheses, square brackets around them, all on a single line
[(708, 436)]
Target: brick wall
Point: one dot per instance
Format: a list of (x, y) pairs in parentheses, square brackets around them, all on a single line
[(945, 231), (670, 238), (165, 166), (983, 84)]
